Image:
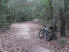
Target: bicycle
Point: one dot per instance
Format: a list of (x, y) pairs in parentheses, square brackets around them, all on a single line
[(46, 32)]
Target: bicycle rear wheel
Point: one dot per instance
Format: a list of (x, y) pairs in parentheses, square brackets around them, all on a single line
[(41, 33)]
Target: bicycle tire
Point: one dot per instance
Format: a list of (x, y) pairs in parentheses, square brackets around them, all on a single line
[(41, 33)]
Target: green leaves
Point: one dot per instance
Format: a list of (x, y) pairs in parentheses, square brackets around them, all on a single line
[(4, 11), (44, 2)]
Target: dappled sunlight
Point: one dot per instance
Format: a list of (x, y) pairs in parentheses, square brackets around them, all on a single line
[(23, 30)]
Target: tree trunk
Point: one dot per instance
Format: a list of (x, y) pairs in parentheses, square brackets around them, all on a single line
[(62, 24), (62, 27), (53, 22), (51, 13)]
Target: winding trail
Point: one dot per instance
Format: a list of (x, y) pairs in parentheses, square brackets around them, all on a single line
[(22, 38)]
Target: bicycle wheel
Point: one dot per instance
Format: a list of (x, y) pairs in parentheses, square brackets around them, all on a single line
[(41, 33), (46, 36)]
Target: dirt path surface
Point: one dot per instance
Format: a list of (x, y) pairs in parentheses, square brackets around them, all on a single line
[(22, 37)]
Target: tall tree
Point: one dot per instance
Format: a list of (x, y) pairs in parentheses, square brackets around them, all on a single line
[(53, 22), (62, 18)]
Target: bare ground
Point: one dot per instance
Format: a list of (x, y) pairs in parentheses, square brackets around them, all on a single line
[(22, 37)]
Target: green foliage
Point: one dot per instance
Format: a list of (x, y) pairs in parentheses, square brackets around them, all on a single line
[(4, 11), (45, 2), (25, 10), (41, 10), (22, 10), (61, 42)]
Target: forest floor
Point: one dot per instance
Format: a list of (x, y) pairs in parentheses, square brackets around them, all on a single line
[(22, 37)]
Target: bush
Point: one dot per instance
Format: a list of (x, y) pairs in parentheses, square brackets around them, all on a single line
[(61, 43)]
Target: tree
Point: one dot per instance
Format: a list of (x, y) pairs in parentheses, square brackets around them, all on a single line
[(53, 19), (62, 18), (4, 13), (62, 24)]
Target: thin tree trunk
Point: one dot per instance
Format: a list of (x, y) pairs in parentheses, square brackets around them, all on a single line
[(62, 24), (62, 27), (51, 13), (53, 22), (61, 18)]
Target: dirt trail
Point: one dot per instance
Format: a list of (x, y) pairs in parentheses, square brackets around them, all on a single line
[(22, 38)]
